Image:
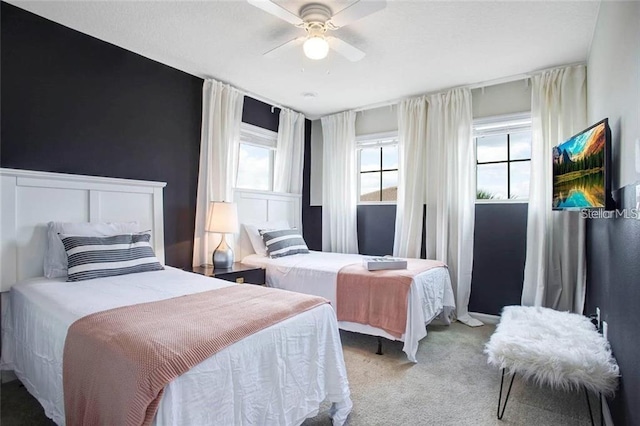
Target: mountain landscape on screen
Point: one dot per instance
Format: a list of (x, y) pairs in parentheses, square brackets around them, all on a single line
[(578, 170)]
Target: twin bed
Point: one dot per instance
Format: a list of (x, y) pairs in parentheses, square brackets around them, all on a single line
[(430, 294), (277, 375)]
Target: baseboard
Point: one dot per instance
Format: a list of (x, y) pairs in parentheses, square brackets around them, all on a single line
[(486, 318), (608, 420), (7, 376)]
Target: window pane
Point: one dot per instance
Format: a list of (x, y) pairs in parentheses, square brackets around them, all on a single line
[(491, 148), (520, 148), (389, 186), (254, 167), (492, 181), (370, 187), (390, 157), (369, 159), (520, 172)]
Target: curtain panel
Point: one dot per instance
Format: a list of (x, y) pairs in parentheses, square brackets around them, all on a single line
[(339, 183), (412, 183), (451, 191), (555, 268), (221, 117), (289, 153), (437, 163)]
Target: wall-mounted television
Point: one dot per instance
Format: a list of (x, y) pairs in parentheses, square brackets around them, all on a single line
[(582, 170)]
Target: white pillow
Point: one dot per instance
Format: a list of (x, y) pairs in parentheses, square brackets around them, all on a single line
[(253, 231), (55, 257)]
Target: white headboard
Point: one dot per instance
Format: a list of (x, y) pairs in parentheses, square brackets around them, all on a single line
[(262, 206), (30, 199)]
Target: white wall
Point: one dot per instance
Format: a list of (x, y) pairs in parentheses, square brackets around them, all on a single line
[(613, 83), (506, 98), (377, 120)]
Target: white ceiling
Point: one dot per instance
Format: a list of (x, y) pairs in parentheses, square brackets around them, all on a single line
[(412, 47)]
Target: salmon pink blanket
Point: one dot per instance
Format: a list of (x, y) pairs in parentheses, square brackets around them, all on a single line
[(378, 298), (117, 362)]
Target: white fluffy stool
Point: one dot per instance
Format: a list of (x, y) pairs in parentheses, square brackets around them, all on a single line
[(559, 349)]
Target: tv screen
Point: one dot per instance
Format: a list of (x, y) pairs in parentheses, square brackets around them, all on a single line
[(580, 170)]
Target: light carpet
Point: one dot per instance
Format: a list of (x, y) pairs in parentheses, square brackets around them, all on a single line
[(451, 385)]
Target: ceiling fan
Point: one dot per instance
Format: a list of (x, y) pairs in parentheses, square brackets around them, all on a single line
[(317, 19)]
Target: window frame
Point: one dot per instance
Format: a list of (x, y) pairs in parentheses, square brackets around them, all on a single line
[(501, 125), (376, 140), (262, 138)]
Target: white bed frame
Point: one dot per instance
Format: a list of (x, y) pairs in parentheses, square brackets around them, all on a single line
[(263, 206), (30, 199)]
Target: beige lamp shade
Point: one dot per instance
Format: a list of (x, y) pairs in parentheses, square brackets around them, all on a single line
[(223, 217)]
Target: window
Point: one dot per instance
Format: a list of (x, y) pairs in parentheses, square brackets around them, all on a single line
[(256, 155), (503, 157), (378, 167)]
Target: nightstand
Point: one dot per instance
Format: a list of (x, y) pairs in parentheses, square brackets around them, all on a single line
[(239, 273)]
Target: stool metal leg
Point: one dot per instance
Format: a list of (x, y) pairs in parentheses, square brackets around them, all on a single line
[(586, 392), (504, 405)]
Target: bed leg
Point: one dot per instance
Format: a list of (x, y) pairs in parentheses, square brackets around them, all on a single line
[(504, 407), (379, 346)]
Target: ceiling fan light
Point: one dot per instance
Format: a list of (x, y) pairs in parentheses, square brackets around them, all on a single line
[(316, 47)]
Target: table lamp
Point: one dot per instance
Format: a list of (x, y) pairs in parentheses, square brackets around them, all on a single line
[(223, 219)]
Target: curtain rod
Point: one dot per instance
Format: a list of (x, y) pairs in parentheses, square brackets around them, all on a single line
[(480, 85)]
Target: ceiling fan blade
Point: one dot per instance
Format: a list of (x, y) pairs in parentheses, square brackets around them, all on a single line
[(277, 10), (356, 11), (347, 50), (277, 51)]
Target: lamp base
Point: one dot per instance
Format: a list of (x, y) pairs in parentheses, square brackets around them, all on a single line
[(223, 255)]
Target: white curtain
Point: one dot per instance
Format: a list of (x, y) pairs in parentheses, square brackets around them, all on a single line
[(412, 142), (289, 153), (555, 272), (221, 117), (339, 184), (438, 168), (451, 191)]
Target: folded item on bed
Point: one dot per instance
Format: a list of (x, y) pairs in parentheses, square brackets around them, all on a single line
[(117, 362), (378, 298)]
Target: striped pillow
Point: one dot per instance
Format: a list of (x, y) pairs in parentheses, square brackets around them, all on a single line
[(284, 242), (96, 257)]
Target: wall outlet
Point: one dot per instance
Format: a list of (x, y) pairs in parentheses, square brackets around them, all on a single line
[(605, 330), (599, 318)]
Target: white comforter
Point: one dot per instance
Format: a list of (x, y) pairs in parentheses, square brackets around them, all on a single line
[(279, 375), (316, 273)]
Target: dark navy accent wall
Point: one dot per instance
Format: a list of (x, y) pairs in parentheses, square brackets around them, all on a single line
[(74, 104), (613, 285), (376, 229), (260, 114), (498, 256)]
